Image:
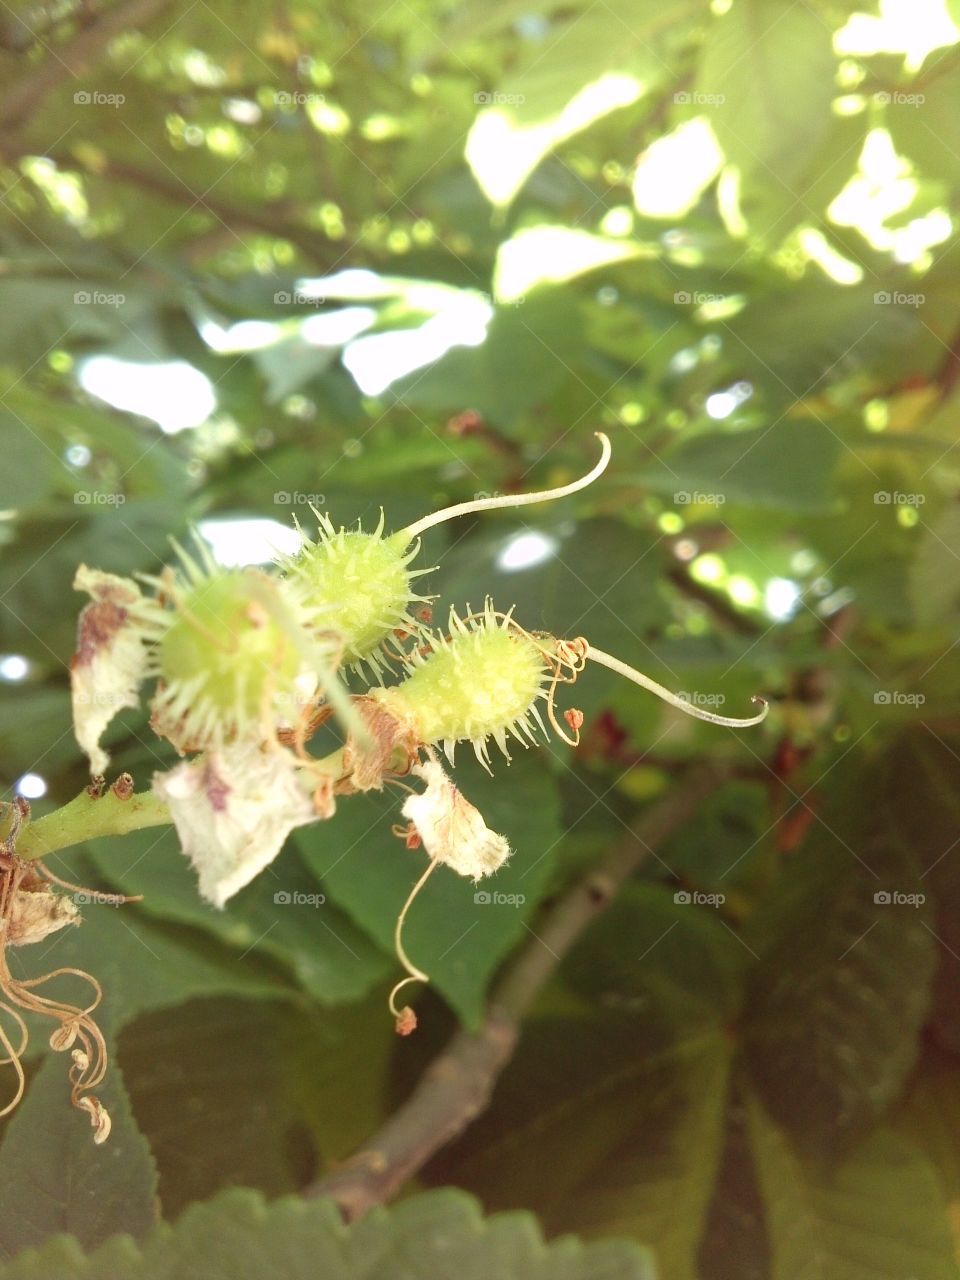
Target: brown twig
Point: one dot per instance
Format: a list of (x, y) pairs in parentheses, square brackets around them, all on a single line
[(75, 57), (716, 604), (457, 1086), (276, 220)]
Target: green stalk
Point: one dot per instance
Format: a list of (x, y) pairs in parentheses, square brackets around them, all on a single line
[(88, 817)]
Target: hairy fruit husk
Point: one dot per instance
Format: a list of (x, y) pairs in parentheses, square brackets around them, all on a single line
[(483, 681), (227, 661), (358, 586)]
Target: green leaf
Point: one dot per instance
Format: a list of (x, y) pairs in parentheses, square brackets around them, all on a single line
[(681, 956), (768, 76), (930, 1120), (922, 810), (292, 363), (919, 802), (624, 1100), (773, 209), (312, 1088), (554, 255), (787, 466), (53, 1178), (881, 1215), (33, 718), (934, 586), (842, 988), (29, 463), (627, 1116), (39, 314), (845, 333), (42, 563), (281, 916), (180, 1068), (579, 71), (128, 458), (924, 122), (528, 353), (456, 931), (573, 88), (143, 964), (724, 846), (239, 1237)]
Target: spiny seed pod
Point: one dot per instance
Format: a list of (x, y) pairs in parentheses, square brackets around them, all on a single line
[(482, 681), (485, 679), (360, 584), (233, 658), (359, 587)]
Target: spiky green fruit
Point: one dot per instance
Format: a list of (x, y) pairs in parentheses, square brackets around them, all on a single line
[(482, 681), (358, 587), (229, 660)]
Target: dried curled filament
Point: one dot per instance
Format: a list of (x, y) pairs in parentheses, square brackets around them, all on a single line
[(115, 898), (406, 1019), (14, 1055), (513, 499), (77, 1031), (30, 910)]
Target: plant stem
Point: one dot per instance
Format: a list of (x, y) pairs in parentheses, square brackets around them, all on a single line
[(75, 57), (88, 817), (457, 1085)]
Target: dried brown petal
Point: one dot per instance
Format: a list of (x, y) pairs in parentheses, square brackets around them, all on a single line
[(35, 913)]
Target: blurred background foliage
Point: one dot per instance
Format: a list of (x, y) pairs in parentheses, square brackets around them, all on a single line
[(400, 254)]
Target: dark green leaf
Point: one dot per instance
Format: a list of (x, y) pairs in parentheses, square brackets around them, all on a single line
[(239, 1237), (282, 915), (54, 1179), (786, 465), (879, 1216), (456, 931), (767, 79), (843, 985)]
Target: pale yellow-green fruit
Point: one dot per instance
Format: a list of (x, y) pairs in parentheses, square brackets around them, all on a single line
[(357, 587), (229, 659), (483, 681)]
